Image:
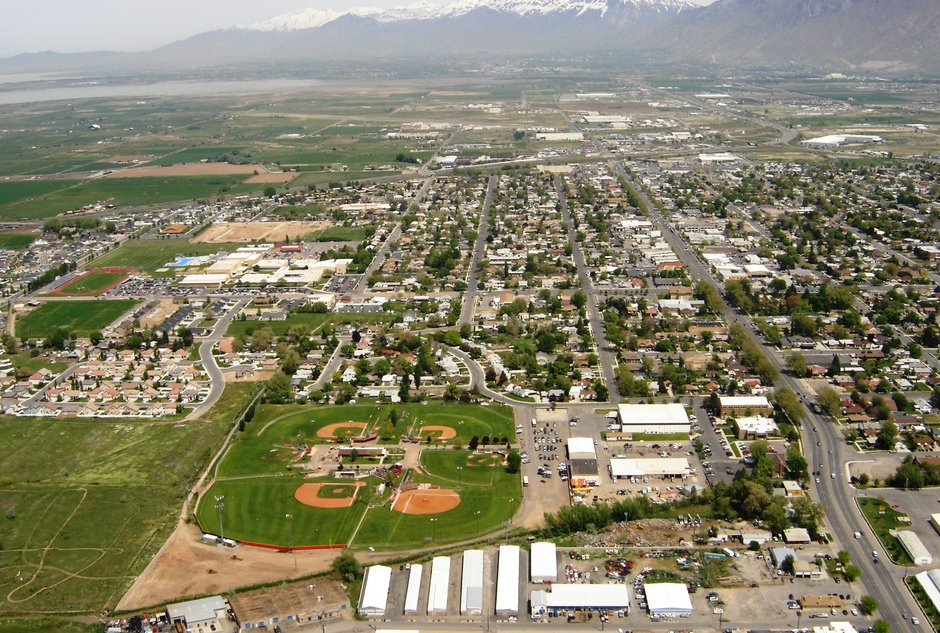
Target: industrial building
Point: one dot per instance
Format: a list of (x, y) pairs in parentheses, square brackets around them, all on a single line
[(914, 547), (206, 613), (668, 599), (744, 406), (654, 418), (582, 462), (930, 583), (935, 522), (374, 595), (414, 589), (543, 563), (507, 581), (623, 468), (440, 581), (471, 586), (584, 597), (293, 603)]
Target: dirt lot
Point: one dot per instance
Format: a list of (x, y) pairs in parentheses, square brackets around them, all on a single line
[(275, 177), (263, 231), (158, 316), (193, 169)]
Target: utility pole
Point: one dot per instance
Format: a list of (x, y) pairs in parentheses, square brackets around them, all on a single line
[(290, 538)]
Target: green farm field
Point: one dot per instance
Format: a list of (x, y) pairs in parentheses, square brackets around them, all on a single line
[(80, 317), (16, 241), (256, 473), (150, 255), (91, 502)]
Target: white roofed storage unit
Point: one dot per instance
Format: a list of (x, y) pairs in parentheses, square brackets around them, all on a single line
[(654, 418), (583, 462), (543, 564), (591, 597), (622, 468), (414, 589), (440, 581), (668, 599), (374, 594), (471, 587), (935, 522), (930, 582), (507, 581), (914, 547)]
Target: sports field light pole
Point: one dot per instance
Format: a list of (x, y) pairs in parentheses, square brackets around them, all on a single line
[(433, 530), (219, 504), (509, 521), (290, 537), (477, 514), (459, 469)]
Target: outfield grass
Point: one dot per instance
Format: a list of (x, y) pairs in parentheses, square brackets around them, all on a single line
[(80, 317), (149, 255), (101, 496)]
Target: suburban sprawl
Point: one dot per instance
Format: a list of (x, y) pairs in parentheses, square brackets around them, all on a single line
[(540, 354)]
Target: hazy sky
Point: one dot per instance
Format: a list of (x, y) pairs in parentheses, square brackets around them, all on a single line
[(69, 26)]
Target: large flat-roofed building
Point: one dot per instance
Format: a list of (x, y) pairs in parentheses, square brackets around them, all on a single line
[(582, 461), (413, 593), (659, 419), (753, 428), (206, 613), (914, 547), (624, 468), (543, 563), (374, 596), (668, 599), (930, 583), (744, 405), (471, 586), (294, 603), (440, 585), (507, 580), (586, 597)]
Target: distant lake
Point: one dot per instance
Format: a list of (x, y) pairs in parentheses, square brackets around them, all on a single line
[(73, 89)]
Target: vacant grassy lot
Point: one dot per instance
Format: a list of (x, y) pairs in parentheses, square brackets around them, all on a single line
[(310, 319), (149, 255), (883, 519), (80, 317), (16, 241), (91, 502)]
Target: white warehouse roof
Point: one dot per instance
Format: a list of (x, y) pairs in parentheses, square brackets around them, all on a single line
[(582, 447), (654, 418), (414, 589), (582, 596), (440, 581), (653, 467), (543, 565), (914, 547), (471, 586), (930, 581), (669, 599), (375, 590), (744, 401), (507, 581)]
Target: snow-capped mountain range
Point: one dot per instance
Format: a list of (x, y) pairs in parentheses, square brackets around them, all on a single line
[(314, 18)]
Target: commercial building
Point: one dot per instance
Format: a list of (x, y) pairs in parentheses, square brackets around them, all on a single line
[(930, 583), (374, 595), (582, 462), (654, 418), (623, 468), (935, 522), (744, 406), (753, 428), (207, 613), (471, 586), (507, 581), (440, 581), (294, 603), (414, 589), (780, 554), (584, 597), (668, 599), (543, 563), (914, 547), (796, 535)]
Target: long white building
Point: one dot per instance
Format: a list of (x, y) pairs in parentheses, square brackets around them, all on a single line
[(914, 547), (543, 564), (471, 586), (440, 582), (414, 589), (660, 419), (668, 599), (374, 594), (507, 581)]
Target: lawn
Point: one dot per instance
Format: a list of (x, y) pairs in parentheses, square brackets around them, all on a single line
[(91, 502), (883, 519), (256, 474), (80, 317), (150, 255)]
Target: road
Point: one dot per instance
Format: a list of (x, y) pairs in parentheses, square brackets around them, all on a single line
[(216, 378), (479, 250), (379, 258), (598, 328)]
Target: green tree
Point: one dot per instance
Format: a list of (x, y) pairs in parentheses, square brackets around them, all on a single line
[(346, 567), (270, 191), (844, 557), (868, 604), (796, 363), (830, 401), (852, 573), (513, 462), (882, 626)]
